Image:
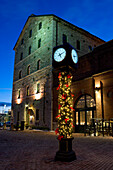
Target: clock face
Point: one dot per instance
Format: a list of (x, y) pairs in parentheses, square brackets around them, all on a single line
[(59, 54), (74, 56)]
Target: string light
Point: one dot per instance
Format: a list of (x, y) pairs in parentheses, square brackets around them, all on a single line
[(65, 108)]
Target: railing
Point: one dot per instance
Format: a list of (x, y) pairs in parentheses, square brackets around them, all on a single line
[(99, 127)]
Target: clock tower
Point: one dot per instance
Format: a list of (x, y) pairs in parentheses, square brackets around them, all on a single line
[(64, 56)]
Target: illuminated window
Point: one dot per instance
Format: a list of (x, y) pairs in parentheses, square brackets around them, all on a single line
[(28, 70), (37, 114), (27, 90), (30, 33), (21, 56), (20, 74), (82, 117), (40, 25), (22, 41), (38, 64), (78, 45), (29, 50), (39, 43), (64, 38), (85, 101), (38, 87)]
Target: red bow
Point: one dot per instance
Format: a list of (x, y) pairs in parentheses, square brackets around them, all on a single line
[(59, 75), (67, 85), (58, 116), (58, 87), (59, 106), (60, 137), (72, 94), (69, 76), (66, 120), (64, 96), (72, 108), (72, 124), (57, 131)]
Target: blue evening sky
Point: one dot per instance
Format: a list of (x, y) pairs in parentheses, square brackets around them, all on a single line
[(95, 16)]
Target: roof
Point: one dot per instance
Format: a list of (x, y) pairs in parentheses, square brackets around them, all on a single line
[(78, 28)]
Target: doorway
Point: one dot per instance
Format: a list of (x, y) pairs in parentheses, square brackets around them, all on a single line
[(84, 112)]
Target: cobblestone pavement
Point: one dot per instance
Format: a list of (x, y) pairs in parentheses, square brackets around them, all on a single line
[(35, 150)]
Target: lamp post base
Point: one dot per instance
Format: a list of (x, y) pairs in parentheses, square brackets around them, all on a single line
[(65, 153)]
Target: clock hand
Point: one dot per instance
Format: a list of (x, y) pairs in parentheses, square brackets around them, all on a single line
[(60, 54)]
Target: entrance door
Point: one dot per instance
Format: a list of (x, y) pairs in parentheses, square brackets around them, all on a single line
[(84, 112)]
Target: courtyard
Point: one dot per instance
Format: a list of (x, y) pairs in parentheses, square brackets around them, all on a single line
[(35, 150)]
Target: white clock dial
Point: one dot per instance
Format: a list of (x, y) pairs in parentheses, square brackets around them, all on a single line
[(74, 56), (59, 54)]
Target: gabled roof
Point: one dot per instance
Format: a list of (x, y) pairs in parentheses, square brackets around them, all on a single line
[(54, 16)]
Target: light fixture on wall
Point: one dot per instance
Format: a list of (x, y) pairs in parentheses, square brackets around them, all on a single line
[(18, 100), (38, 96)]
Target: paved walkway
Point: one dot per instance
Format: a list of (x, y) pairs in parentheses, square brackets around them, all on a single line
[(32, 150)]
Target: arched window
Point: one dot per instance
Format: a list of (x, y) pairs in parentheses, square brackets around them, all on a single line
[(28, 70), (84, 111), (20, 74), (85, 101)]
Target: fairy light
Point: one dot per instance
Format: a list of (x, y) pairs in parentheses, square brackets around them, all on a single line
[(65, 107)]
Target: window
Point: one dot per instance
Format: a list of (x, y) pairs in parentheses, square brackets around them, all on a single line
[(20, 74), (78, 44), (37, 114), (90, 48), (28, 70), (19, 94), (40, 25), (38, 87), (27, 90), (22, 41), (21, 56), (39, 43), (38, 64), (30, 33), (64, 38), (29, 50), (18, 113)]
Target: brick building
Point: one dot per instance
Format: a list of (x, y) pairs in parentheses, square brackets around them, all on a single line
[(34, 98)]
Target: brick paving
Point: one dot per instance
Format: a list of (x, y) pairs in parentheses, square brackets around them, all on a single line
[(35, 150)]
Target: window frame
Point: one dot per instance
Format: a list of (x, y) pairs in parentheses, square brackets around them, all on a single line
[(20, 74), (64, 38), (21, 56), (28, 70), (38, 64), (27, 91), (30, 33), (40, 26), (38, 88), (78, 45), (37, 114), (39, 43), (29, 50)]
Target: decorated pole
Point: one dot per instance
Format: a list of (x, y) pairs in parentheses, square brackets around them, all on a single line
[(65, 118)]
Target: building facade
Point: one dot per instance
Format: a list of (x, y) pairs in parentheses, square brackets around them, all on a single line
[(34, 98)]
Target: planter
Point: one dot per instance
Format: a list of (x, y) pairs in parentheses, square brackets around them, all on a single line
[(65, 153)]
